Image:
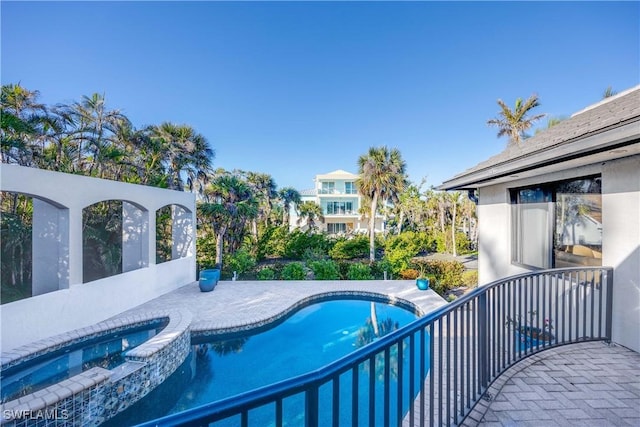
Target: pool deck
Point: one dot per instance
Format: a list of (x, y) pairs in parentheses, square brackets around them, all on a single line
[(583, 384), (243, 304)]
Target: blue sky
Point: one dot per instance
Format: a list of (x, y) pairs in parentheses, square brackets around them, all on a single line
[(299, 88)]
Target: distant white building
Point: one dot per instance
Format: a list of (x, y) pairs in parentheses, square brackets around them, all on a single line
[(338, 197)]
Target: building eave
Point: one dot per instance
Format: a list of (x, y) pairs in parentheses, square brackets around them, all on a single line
[(621, 140)]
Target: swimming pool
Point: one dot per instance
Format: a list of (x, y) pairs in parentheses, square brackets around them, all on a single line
[(309, 339), (105, 351)]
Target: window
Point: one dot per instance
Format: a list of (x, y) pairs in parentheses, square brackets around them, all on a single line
[(578, 223), (336, 228), (531, 214), (558, 224), (350, 188), (328, 188), (339, 208)]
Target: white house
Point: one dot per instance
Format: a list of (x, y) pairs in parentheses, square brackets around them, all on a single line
[(338, 197), (568, 196)]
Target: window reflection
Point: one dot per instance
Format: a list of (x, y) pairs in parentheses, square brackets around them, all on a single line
[(578, 228)]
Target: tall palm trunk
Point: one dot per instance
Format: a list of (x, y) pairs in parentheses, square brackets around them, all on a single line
[(400, 221), (372, 228), (219, 245), (254, 229), (453, 228)]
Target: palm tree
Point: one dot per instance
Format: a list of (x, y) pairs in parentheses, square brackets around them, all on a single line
[(21, 116), (311, 212), (551, 122), (515, 122), (609, 92), (233, 203), (93, 127), (185, 151), (382, 178), (264, 188), (289, 196)]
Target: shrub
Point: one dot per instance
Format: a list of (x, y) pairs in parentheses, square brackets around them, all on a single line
[(399, 258), (293, 271), (313, 254), (400, 249), (444, 244), (412, 241), (447, 273), (241, 262), (359, 272), (266, 274), (435, 285), (470, 278), (355, 247), (206, 251), (272, 242), (379, 267), (409, 274), (298, 242), (325, 270), (343, 269)]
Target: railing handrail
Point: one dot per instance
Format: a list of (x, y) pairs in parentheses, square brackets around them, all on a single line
[(268, 393)]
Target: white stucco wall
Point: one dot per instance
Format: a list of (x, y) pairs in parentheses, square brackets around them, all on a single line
[(620, 228), (78, 304), (621, 245)]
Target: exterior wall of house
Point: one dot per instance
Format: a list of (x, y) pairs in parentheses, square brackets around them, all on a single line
[(620, 228), (61, 300), (621, 245)]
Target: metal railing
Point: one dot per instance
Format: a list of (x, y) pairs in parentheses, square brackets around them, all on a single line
[(432, 371)]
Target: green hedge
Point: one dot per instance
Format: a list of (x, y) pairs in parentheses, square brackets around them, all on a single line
[(294, 271), (359, 272), (325, 270), (356, 247)]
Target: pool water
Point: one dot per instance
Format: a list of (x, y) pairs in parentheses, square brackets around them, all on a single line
[(106, 352), (311, 338)]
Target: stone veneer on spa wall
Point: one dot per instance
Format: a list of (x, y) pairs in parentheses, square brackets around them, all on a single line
[(98, 394)]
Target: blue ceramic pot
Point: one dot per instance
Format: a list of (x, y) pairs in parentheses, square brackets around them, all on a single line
[(209, 279), (422, 284)]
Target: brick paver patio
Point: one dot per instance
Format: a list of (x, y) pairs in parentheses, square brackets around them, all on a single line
[(586, 384)]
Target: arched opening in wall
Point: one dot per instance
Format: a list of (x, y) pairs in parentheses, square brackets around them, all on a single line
[(101, 240), (16, 254), (34, 246), (174, 233), (164, 241)]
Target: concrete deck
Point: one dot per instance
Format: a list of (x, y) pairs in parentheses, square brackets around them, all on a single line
[(243, 304), (586, 384)]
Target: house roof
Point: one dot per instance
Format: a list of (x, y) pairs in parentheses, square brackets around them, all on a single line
[(337, 174), (605, 127)]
